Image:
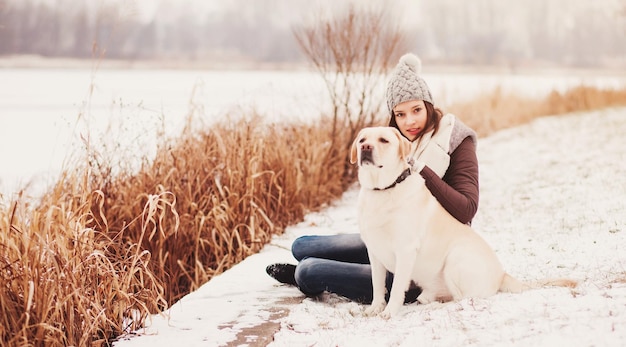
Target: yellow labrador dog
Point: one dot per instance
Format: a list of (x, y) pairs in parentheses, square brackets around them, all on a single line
[(408, 233)]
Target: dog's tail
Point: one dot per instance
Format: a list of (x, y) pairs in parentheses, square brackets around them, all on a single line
[(512, 285)]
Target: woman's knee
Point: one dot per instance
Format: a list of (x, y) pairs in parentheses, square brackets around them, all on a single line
[(305, 268), (299, 247), (307, 276), (342, 247)]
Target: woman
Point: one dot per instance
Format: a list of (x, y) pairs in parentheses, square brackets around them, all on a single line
[(443, 152)]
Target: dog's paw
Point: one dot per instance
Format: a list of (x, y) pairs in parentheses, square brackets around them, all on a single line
[(386, 314), (374, 309), (423, 301), (425, 298), (389, 312)]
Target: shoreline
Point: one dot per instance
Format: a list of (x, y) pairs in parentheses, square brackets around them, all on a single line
[(41, 62)]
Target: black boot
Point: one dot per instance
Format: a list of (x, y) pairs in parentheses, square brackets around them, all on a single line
[(283, 273)]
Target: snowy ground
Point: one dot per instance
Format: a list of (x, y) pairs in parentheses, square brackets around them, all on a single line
[(553, 204)]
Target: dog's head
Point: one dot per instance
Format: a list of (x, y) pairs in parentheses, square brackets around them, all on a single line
[(380, 153)]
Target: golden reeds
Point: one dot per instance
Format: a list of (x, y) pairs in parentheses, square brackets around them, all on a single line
[(66, 283), (101, 251), (498, 110), (235, 185)]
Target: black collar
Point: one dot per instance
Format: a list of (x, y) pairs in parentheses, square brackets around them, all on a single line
[(406, 173)]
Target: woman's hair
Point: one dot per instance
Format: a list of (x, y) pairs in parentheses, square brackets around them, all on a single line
[(433, 116)]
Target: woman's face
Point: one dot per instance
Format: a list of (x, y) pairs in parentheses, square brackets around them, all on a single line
[(411, 118)]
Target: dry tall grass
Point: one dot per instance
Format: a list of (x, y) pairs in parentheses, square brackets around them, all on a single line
[(102, 248), (101, 251), (235, 185), (65, 281), (497, 110)]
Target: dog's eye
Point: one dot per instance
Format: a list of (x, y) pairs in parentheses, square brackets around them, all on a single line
[(362, 140), (383, 140)]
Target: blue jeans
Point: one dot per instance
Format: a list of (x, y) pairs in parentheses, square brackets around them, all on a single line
[(337, 264)]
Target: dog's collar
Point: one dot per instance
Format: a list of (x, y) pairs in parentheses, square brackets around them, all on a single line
[(406, 173)]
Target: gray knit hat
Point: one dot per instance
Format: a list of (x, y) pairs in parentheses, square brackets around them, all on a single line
[(406, 83)]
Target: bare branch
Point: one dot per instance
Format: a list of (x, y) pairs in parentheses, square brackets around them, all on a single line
[(352, 50)]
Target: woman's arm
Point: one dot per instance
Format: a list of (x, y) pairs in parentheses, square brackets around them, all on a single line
[(458, 190)]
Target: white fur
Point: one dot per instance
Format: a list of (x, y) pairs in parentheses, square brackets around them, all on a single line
[(408, 233)]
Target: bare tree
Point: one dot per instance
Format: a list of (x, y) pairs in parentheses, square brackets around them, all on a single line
[(353, 50)]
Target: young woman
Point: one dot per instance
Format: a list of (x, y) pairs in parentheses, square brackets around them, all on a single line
[(443, 152)]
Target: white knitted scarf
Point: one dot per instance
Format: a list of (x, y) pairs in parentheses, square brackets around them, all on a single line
[(434, 150)]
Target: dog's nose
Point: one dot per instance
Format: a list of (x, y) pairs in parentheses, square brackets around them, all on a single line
[(366, 153)]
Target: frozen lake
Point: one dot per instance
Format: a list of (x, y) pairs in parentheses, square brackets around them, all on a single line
[(45, 112)]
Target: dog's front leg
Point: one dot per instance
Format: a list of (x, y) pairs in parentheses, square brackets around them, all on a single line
[(378, 286), (401, 282)]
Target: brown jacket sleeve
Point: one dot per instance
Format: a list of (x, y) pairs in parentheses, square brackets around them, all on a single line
[(458, 190)]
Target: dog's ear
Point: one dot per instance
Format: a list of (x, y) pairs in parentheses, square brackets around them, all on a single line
[(353, 150), (404, 147)]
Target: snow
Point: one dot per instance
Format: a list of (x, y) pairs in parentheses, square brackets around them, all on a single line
[(552, 205)]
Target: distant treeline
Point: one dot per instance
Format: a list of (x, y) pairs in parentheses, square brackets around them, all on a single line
[(74, 28), (577, 33)]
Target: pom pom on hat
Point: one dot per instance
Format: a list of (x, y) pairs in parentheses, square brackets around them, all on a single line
[(406, 83), (412, 61)]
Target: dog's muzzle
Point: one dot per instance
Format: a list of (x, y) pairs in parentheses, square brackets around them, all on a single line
[(367, 154)]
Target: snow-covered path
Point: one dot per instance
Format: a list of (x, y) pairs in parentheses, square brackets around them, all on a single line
[(553, 204)]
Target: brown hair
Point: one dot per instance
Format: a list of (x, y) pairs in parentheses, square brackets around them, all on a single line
[(433, 116)]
